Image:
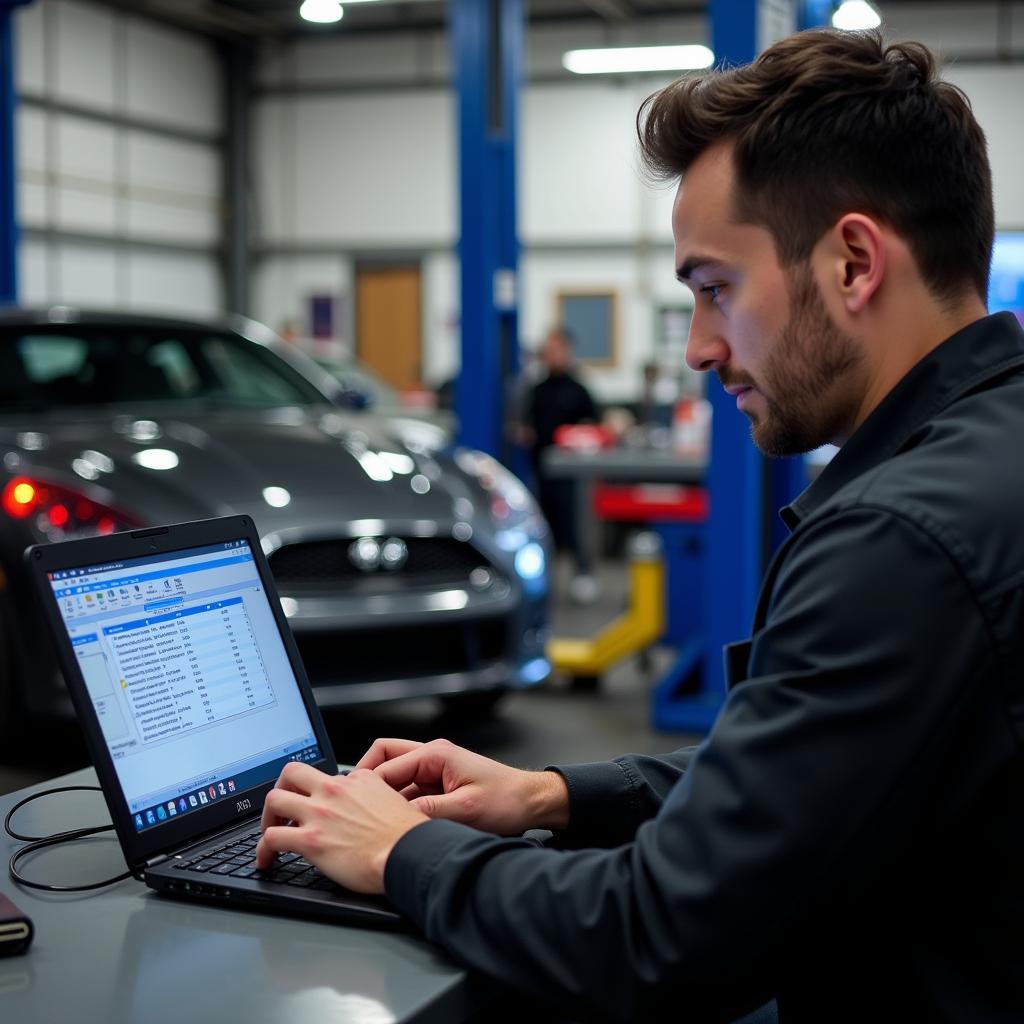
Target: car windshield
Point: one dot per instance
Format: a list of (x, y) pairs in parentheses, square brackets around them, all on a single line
[(356, 377), (53, 367)]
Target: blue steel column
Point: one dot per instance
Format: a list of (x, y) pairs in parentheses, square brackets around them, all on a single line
[(8, 169), (487, 43), (744, 488), (736, 478), (815, 13)]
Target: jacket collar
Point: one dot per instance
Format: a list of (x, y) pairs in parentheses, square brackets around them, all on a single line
[(969, 359)]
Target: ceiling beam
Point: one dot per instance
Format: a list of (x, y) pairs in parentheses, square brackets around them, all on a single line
[(612, 10)]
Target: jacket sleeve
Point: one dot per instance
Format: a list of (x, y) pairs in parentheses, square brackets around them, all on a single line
[(608, 801), (815, 769)]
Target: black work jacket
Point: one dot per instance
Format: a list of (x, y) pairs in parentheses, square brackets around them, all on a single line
[(850, 836)]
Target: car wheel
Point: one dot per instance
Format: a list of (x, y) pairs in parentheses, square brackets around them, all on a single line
[(474, 706)]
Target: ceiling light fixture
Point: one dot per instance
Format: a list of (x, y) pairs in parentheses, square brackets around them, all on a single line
[(627, 59), (856, 16), (321, 12)]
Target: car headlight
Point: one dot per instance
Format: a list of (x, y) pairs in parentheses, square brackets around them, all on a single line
[(419, 436), (512, 507), (54, 512)]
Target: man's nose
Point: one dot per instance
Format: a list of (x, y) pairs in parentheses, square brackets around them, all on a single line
[(706, 349)]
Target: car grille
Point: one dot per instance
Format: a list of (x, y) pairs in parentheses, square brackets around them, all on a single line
[(325, 564), (367, 656)]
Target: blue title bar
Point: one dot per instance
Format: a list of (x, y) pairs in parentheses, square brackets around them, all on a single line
[(128, 563), (127, 581)]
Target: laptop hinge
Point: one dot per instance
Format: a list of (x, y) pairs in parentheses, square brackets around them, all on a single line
[(153, 861)]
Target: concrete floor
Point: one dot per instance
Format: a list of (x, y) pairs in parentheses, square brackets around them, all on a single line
[(549, 724)]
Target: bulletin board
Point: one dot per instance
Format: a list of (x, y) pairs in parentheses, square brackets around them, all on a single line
[(592, 317)]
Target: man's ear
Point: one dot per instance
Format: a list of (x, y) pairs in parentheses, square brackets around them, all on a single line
[(857, 252)]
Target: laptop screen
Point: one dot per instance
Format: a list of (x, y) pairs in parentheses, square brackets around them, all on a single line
[(188, 674)]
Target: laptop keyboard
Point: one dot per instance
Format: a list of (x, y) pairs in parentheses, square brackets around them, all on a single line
[(237, 858)]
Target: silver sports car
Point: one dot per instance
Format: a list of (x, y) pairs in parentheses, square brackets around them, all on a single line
[(406, 566)]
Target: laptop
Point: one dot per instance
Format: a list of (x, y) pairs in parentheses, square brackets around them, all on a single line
[(192, 696)]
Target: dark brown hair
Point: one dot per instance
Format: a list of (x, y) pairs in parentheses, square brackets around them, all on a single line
[(826, 123)]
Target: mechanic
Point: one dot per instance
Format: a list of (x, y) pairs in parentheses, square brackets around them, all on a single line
[(559, 399), (849, 837)]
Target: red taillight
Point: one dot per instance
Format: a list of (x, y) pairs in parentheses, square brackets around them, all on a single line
[(58, 515), (58, 510), (20, 497)]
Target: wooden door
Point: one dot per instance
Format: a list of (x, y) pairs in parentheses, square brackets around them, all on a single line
[(389, 323)]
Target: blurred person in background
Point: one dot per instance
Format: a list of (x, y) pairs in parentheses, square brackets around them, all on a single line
[(559, 399)]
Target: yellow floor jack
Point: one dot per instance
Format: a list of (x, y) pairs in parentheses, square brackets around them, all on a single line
[(633, 632)]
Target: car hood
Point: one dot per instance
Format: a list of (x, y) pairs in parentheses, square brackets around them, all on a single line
[(288, 468)]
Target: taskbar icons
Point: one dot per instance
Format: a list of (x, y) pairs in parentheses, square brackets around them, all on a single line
[(190, 802), (213, 792)]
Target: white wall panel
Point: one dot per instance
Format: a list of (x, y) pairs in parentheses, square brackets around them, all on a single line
[(84, 209), (376, 167), (86, 275), (994, 93), (441, 302), (171, 283), (282, 287), (29, 67), (172, 78), (578, 169), (372, 58), (31, 157), (960, 29), (85, 149), (32, 204), (161, 221), (156, 162), (33, 282), (83, 61), (173, 189), (369, 58), (30, 140), (83, 176)]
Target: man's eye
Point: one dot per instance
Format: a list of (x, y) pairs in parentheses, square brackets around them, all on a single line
[(712, 291)]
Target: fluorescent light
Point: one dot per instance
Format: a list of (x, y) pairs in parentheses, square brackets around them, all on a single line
[(276, 497), (323, 12), (156, 458), (622, 59), (855, 16), (398, 462), (375, 467)]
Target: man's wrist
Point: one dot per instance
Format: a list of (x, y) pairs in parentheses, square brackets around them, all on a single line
[(379, 861), (550, 801)]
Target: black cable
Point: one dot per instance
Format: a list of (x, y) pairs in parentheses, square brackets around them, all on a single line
[(36, 843)]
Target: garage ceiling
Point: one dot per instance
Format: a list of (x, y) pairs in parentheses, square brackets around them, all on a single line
[(268, 18)]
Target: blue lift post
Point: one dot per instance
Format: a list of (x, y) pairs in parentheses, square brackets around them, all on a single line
[(744, 488), (487, 46), (8, 169)]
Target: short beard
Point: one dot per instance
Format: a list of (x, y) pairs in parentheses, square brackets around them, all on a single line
[(807, 376)]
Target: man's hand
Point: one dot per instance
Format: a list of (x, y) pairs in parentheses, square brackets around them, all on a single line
[(445, 781), (346, 825)]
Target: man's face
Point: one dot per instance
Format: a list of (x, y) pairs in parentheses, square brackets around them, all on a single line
[(763, 329), (556, 353)]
